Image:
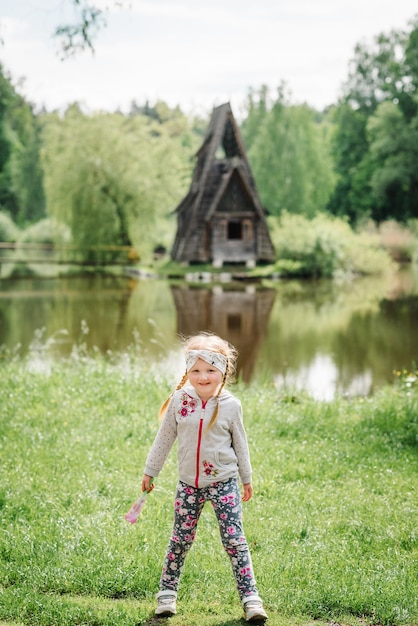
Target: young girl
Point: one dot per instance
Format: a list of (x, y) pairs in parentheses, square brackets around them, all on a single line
[(212, 453)]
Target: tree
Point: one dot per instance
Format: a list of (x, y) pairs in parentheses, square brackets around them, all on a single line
[(21, 190), (394, 155), (7, 198), (81, 33), (375, 138), (289, 153), (351, 196), (378, 72), (114, 179), (27, 177)]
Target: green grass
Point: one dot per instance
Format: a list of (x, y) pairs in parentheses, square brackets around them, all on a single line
[(332, 525)]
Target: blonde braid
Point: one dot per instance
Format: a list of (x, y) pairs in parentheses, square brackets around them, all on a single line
[(216, 411), (165, 404)]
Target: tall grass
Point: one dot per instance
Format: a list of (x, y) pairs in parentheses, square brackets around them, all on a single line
[(332, 525)]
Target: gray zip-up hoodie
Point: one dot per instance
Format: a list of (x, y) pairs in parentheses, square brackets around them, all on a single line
[(204, 456)]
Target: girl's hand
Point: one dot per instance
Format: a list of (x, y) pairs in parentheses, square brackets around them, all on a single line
[(147, 484), (248, 492)]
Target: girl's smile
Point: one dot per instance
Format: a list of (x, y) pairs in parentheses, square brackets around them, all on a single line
[(205, 379)]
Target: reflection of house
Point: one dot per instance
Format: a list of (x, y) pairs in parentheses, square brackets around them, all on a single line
[(240, 316), (221, 219)]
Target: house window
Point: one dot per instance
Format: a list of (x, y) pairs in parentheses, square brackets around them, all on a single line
[(234, 230)]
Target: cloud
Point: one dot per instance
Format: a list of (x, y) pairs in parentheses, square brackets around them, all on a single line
[(195, 54)]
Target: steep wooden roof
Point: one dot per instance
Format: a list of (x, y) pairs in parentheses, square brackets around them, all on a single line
[(212, 176)]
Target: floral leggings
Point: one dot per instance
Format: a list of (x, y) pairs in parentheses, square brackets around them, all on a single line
[(225, 498)]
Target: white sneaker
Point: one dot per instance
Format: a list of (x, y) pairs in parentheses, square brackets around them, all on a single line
[(166, 603), (253, 610)]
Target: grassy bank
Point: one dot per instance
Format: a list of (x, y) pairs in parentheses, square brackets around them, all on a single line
[(332, 526)]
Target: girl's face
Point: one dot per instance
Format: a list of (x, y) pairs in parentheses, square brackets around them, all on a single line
[(205, 379)]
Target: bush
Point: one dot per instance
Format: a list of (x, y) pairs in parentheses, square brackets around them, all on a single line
[(9, 232), (366, 255), (323, 247), (47, 230), (399, 241)]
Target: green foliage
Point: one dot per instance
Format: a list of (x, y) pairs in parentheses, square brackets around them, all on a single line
[(114, 180), (47, 230), (79, 35), (20, 178), (351, 195), (289, 153), (324, 246), (366, 254), (393, 154), (331, 526), (7, 97), (9, 232), (407, 380), (28, 177), (380, 72), (375, 143), (399, 241)]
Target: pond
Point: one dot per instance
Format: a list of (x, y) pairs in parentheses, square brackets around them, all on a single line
[(326, 337)]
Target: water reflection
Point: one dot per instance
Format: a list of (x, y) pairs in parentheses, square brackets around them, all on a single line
[(325, 337), (239, 315), (343, 339)]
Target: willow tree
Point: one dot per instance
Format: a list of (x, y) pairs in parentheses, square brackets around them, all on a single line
[(113, 179)]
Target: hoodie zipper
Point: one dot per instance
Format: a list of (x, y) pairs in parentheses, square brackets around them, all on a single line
[(199, 443)]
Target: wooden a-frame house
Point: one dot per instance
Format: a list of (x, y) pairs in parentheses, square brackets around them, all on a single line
[(221, 219)]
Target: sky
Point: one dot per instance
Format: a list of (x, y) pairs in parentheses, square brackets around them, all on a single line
[(192, 53)]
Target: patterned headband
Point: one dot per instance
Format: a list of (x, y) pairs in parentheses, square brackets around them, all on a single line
[(213, 358)]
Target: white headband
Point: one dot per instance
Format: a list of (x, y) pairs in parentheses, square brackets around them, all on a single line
[(213, 358)]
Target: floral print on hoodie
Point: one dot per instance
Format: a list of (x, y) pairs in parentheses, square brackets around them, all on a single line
[(204, 455)]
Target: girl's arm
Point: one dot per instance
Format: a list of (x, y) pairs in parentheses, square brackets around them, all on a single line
[(240, 445), (162, 445)]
